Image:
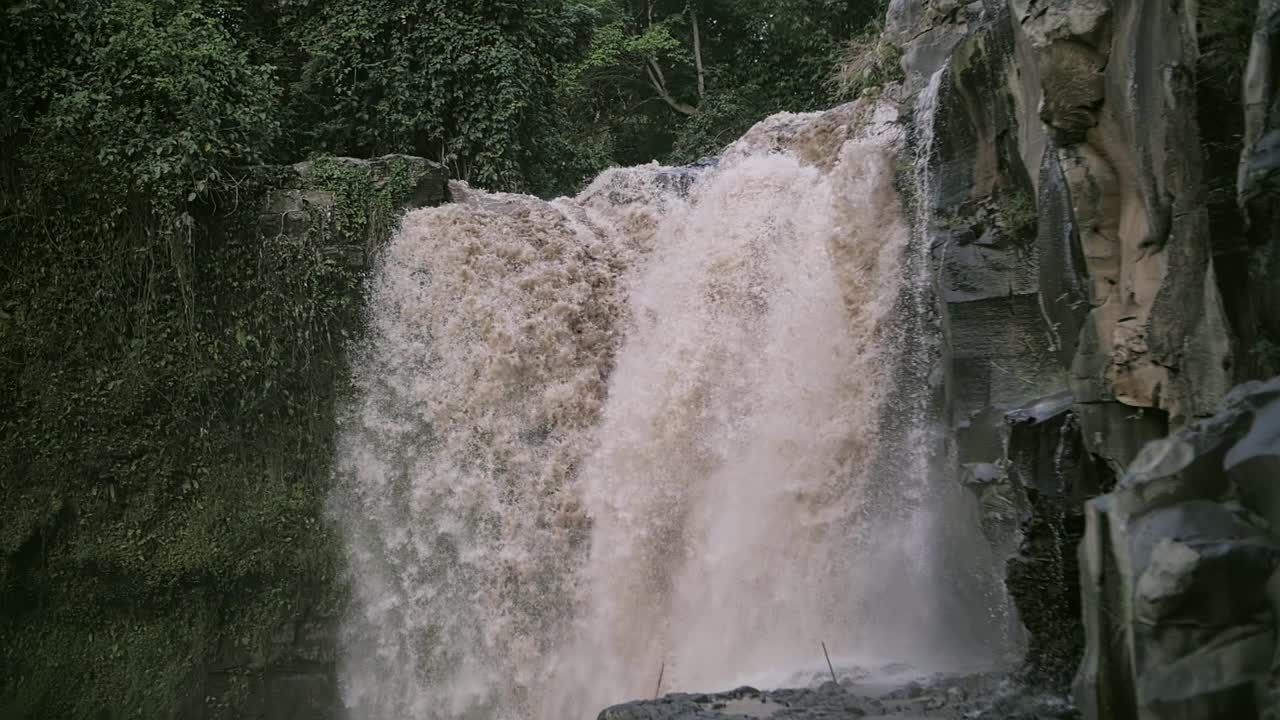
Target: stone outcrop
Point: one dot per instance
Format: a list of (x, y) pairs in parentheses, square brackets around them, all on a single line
[(1005, 384), (1069, 230), (927, 31), (354, 202), (1180, 572)]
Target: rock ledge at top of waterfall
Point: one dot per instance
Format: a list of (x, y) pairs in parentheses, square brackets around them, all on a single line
[(814, 137)]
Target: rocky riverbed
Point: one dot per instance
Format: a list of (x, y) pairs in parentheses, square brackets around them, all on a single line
[(891, 693)]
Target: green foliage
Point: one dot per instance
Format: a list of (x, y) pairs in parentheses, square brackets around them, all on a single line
[(723, 116), (866, 62), (191, 453), (469, 84), (362, 210), (757, 58), (146, 98), (138, 646), (1015, 212), (167, 374), (657, 41)]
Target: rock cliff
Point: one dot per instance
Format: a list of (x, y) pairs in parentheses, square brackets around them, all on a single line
[(1179, 572), (1075, 245)]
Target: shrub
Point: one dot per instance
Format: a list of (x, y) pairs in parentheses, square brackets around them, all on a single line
[(867, 61)]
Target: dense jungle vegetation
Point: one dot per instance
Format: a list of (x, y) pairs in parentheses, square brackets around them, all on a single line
[(168, 373)]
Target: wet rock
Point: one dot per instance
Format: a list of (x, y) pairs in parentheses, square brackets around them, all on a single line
[(1156, 335), (942, 697), (928, 31), (290, 673), (1178, 571), (1123, 225), (291, 212), (1006, 381), (1052, 474), (621, 186), (1259, 195), (679, 180), (981, 228), (1064, 274)]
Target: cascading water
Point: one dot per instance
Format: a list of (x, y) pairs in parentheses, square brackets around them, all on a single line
[(931, 519), (633, 430)]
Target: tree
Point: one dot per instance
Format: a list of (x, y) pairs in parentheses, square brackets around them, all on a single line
[(684, 77), (466, 83)]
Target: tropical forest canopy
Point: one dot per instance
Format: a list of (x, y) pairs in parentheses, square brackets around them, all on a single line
[(529, 95)]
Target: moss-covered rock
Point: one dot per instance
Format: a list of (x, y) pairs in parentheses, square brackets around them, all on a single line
[(163, 551)]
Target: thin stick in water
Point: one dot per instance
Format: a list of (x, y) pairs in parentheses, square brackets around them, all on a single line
[(658, 687), (828, 657)]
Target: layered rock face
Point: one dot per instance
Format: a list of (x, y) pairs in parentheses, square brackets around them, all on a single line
[(1179, 572), (1073, 251), (1179, 577)]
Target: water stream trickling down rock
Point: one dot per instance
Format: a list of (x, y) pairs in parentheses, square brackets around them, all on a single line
[(642, 431)]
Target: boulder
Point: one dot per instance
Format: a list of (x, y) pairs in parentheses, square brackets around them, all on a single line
[(352, 202), (424, 180), (1179, 571), (858, 694), (292, 212)]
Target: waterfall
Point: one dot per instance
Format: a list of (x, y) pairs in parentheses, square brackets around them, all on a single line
[(641, 428), (926, 520)]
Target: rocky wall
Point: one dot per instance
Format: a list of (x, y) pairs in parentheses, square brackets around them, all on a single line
[(1179, 572), (1071, 244), (1180, 566)]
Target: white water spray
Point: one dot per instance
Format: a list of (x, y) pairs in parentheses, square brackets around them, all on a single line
[(631, 430)]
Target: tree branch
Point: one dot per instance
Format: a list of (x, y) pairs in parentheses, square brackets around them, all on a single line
[(657, 70), (659, 81), (661, 89)]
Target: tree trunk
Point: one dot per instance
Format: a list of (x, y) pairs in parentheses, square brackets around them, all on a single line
[(697, 56)]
